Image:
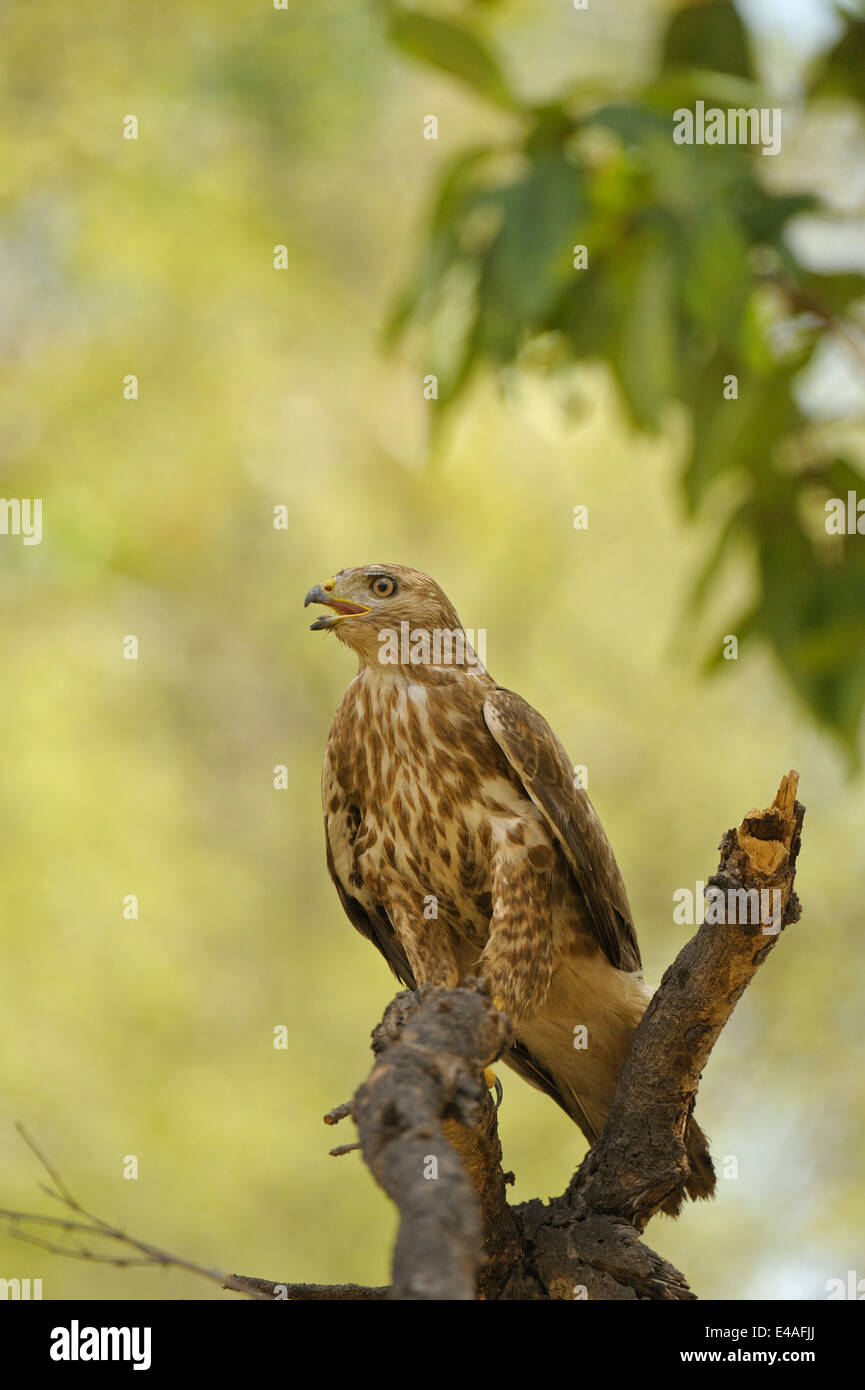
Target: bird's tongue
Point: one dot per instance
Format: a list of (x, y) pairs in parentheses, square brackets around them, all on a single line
[(344, 606)]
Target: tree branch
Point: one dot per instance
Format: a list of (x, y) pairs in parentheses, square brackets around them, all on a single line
[(428, 1132), (432, 1044), (431, 1048), (640, 1158)]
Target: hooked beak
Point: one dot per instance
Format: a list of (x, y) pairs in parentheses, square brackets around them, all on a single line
[(342, 607)]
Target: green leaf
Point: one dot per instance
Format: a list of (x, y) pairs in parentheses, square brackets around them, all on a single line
[(590, 313), (812, 611), (453, 49), (457, 195), (708, 36), (645, 357), (733, 528), (764, 215), (630, 121), (683, 86), (842, 477), (715, 272), (833, 292), (841, 72), (736, 434), (530, 261)]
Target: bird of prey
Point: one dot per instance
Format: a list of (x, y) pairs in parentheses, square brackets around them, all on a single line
[(461, 844)]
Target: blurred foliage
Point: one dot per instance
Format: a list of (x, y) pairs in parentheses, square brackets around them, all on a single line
[(690, 280)]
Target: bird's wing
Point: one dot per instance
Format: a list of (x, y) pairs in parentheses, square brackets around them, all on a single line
[(520, 1060), (543, 766), (373, 923)]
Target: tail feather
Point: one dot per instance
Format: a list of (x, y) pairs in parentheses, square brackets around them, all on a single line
[(700, 1182)]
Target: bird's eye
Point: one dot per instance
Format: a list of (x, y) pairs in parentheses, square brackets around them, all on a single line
[(382, 586)]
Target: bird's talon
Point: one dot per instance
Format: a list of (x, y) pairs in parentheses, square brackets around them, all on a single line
[(493, 1084)]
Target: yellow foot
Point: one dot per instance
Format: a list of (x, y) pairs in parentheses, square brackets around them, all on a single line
[(493, 1084)]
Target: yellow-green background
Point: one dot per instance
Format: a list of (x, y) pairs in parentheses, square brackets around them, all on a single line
[(259, 388)]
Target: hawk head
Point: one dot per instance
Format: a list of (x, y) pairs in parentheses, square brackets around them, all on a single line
[(371, 603)]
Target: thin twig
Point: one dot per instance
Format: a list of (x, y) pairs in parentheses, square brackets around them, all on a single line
[(339, 1112), (95, 1226)]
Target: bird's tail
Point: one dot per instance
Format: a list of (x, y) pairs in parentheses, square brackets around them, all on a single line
[(700, 1182)]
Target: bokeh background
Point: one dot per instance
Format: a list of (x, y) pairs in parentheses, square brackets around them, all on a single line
[(261, 388)]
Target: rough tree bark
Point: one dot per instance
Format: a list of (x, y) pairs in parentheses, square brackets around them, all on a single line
[(458, 1237)]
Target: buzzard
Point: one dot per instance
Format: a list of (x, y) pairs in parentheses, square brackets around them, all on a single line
[(461, 844)]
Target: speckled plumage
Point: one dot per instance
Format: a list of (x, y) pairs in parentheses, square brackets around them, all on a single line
[(460, 843)]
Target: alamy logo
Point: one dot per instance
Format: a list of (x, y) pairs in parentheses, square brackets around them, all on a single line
[(741, 907), (21, 516), (421, 646), (22, 1289), (736, 126), (845, 520), (76, 1343), (853, 1288)]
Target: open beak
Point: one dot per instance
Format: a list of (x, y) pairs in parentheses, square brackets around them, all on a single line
[(342, 607)]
